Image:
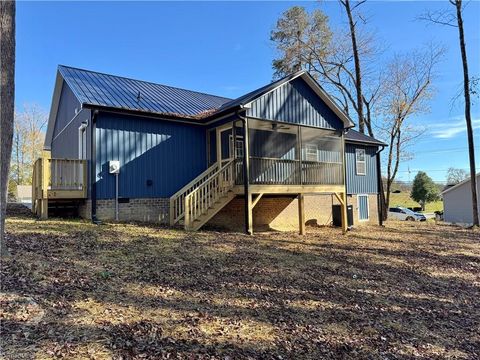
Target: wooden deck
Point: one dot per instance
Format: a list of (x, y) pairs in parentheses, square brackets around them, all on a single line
[(57, 179)]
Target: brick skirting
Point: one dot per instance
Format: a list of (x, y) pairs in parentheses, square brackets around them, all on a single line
[(150, 210), (270, 213)]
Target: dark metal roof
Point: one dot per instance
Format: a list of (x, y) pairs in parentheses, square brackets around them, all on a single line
[(94, 89), (358, 137), (98, 89)]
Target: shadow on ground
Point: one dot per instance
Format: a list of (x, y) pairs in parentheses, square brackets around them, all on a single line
[(72, 289)]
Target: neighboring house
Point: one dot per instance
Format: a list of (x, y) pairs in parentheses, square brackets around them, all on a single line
[(457, 202), (181, 154), (24, 193)]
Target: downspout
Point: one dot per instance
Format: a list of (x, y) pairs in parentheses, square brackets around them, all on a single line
[(246, 171), (93, 166), (381, 194)]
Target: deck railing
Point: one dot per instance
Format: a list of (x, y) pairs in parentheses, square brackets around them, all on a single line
[(58, 174), (274, 171), (325, 173), (198, 201), (57, 179), (177, 200)]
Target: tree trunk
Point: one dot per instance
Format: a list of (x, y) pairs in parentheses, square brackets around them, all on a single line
[(468, 118), (7, 93), (358, 73)]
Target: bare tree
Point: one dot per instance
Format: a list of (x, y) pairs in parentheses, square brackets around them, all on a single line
[(356, 57), (305, 41), (7, 103), (455, 176), (27, 142), (407, 92), (455, 19)]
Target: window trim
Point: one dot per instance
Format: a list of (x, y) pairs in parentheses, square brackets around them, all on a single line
[(357, 161), (232, 151), (311, 145)]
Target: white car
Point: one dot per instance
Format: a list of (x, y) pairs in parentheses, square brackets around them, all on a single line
[(401, 213)]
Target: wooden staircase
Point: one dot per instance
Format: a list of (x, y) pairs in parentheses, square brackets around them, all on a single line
[(202, 198)]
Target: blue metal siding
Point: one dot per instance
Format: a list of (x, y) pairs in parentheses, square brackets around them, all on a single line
[(272, 144), (361, 184), (168, 153), (295, 102)]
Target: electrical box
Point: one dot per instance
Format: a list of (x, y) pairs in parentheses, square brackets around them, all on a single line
[(114, 166)]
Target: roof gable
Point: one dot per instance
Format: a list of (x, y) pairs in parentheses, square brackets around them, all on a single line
[(295, 101), (305, 101)]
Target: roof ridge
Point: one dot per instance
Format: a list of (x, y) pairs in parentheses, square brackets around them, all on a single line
[(144, 81)]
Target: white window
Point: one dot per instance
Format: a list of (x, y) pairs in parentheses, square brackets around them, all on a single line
[(82, 141), (311, 152), (360, 165), (238, 147)]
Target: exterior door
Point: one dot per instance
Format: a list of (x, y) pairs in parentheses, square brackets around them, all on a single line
[(236, 152), (363, 213)]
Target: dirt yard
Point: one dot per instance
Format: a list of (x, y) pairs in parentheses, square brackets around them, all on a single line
[(71, 289)]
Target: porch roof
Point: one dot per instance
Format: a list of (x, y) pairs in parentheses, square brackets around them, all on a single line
[(354, 136)]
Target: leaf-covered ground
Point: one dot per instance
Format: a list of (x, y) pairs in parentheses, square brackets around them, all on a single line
[(75, 290)]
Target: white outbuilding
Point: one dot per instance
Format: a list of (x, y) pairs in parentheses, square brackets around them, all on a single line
[(457, 202)]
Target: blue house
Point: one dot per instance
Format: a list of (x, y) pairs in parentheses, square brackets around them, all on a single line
[(134, 150)]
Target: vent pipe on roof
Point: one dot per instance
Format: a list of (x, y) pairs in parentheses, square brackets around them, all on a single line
[(139, 96)]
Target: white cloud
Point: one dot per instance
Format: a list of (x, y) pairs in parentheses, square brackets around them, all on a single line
[(448, 130)]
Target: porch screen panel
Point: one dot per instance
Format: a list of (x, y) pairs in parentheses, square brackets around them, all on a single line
[(274, 158), (322, 160)]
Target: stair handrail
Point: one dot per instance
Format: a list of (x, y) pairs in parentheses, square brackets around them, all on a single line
[(177, 209), (204, 196)]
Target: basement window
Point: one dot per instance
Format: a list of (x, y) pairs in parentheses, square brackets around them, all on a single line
[(360, 161)]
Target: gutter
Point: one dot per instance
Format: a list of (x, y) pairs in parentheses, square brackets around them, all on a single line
[(93, 166), (381, 194)]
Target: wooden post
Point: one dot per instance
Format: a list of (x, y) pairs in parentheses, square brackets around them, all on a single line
[(171, 212), (344, 193), (219, 147), (246, 179), (187, 213), (45, 180), (249, 216), (301, 214)]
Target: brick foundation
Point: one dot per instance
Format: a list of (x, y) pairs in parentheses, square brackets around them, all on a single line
[(281, 213), (149, 210), (270, 213)]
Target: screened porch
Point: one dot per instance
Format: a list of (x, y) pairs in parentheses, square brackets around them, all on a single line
[(280, 153)]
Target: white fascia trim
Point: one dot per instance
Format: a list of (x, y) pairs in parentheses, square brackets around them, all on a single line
[(53, 111), (458, 185)]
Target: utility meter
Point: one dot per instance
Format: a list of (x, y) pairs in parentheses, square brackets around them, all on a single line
[(114, 166)]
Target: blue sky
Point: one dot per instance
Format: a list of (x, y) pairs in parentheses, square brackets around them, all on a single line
[(223, 48)]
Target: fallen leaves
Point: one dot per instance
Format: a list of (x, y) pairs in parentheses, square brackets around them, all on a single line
[(127, 291)]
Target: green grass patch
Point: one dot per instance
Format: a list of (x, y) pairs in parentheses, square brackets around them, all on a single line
[(403, 199)]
